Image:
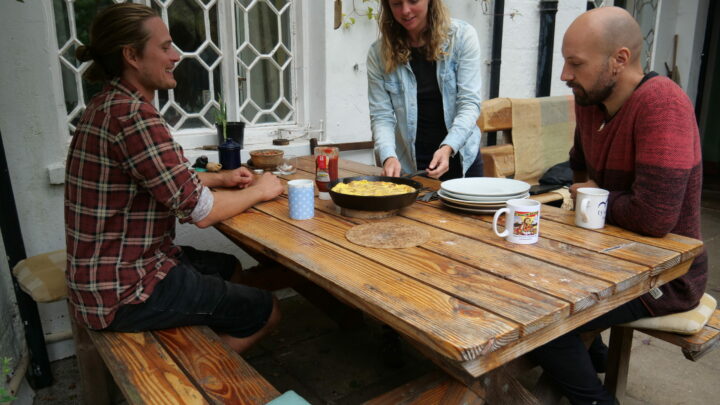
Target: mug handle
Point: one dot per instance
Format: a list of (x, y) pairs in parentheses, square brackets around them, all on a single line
[(499, 212), (583, 209)]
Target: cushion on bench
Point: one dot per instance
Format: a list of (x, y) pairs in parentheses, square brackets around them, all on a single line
[(43, 276), (686, 323)]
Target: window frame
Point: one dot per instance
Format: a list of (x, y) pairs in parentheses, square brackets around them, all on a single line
[(258, 134)]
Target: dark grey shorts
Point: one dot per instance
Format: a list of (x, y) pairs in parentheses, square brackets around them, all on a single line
[(196, 292)]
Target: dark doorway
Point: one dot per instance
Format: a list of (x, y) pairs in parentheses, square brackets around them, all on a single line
[(708, 101)]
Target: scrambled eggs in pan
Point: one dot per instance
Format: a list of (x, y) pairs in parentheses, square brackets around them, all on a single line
[(372, 188)]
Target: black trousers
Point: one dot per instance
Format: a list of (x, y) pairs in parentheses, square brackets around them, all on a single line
[(568, 363)]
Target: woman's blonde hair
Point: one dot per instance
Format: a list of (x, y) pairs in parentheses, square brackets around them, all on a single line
[(395, 46), (115, 27)]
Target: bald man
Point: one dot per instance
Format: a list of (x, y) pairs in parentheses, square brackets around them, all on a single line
[(636, 136)]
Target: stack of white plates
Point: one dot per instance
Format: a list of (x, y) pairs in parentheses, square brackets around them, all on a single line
[(481, 195)]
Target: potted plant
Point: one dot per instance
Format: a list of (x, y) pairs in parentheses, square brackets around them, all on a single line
[(226, 130)]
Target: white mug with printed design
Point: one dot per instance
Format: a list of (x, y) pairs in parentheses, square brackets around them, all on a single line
[(522, 222)]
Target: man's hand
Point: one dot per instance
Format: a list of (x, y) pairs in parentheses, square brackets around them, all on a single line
[(269, 185), (391, 167), (440, 162), (574, 187), (240, 177)]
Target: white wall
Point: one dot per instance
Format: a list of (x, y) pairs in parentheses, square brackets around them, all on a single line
[(687, 20), (32, 132)]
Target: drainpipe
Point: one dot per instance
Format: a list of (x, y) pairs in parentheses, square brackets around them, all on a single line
[(38, 373), (497, 31), (548, 9)]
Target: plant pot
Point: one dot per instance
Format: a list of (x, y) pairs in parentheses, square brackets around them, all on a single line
[(235, 131), (229, 152)]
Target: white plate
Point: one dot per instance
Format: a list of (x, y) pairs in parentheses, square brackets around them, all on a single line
[(485, 186), (475, 199), (467, 203), (468, 209)]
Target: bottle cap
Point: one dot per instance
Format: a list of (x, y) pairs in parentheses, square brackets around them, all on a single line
[(324, 195)]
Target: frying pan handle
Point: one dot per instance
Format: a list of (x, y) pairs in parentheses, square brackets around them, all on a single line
[(417, 173)]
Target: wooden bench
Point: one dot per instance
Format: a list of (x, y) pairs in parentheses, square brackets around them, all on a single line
[(693, 347), (499, 160), (187, 365)]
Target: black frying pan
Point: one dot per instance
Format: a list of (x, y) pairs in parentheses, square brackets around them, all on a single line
[(375, 203)]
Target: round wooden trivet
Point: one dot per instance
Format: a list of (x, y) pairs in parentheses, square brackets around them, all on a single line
[(387, 235)]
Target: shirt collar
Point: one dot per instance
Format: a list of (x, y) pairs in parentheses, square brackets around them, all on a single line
[(125, 87)]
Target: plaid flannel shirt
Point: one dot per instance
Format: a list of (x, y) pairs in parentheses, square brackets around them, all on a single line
[(126, 182)]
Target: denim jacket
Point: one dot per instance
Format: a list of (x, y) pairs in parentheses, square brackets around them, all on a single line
[(393, 100)]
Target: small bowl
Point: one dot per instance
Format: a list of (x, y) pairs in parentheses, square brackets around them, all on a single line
[(266, 158)]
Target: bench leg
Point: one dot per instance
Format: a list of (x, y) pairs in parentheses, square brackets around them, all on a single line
[(95, 379), (618, 361)]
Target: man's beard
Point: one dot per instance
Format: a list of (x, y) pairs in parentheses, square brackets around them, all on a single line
[(599, 92)]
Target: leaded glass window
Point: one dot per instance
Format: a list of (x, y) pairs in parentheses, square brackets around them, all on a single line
[(240, 51)]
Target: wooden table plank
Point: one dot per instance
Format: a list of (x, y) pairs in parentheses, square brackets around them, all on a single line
[(481, 365), (221, 373), (689, 247), (656, 258), (530, 308), (453, 327), (575, 288), (576, 258)]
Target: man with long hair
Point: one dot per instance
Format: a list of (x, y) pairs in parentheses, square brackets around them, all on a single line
[(127, 182)]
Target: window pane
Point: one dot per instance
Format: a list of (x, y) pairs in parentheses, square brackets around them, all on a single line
[(191, 24), (264, 60), (187, 25)]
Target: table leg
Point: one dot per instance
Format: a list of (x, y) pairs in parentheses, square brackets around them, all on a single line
[(618, 361)]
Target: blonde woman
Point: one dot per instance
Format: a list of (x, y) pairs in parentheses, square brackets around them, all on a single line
[(424, 91)]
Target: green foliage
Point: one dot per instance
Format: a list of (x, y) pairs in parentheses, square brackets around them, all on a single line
[(5, 396), (370, 13), (221, 117)]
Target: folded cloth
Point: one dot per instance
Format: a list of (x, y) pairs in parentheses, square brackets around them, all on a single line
[(542, 134), (289, 398)]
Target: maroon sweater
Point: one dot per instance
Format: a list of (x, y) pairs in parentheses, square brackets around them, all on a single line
[(648, 156)]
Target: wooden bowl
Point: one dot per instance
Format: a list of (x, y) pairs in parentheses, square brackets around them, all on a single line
[(266, 158)]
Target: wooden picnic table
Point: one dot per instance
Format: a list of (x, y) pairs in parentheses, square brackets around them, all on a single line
[(469, 300)]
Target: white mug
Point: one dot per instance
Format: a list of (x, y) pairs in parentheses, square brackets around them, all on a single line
[(590, 207), (522, 221)]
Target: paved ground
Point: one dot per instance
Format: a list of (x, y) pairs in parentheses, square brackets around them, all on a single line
[(329, 365)]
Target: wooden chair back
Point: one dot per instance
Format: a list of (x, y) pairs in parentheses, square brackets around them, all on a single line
[(541, 135), (498, 160), (342, 147)]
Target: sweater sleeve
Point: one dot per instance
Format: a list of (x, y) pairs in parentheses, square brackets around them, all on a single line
[(664, 136)]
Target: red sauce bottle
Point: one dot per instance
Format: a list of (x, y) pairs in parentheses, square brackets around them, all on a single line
[(326, 169)]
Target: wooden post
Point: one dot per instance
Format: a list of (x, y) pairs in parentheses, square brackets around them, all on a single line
[(95, 379)]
